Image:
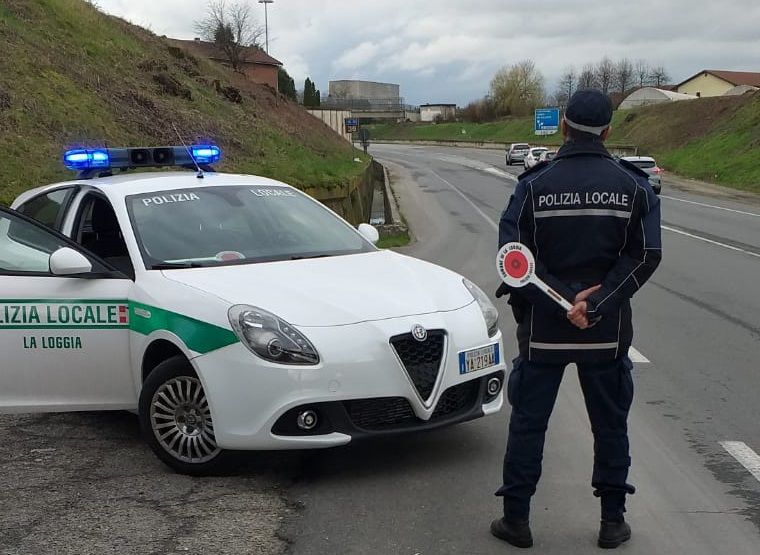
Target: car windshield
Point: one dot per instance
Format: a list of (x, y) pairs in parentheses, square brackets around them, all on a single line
[(644, 163), (538, 151), (521, 147), (219, 226)]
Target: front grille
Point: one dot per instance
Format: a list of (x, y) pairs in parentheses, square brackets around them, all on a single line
[(421, 359), (386, 413), (381, 413), (458, 398)]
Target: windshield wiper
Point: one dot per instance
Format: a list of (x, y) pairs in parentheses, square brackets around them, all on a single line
[(175, 265), (307, 257)]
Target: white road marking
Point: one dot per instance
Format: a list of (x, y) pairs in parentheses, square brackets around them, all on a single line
[(490, 222), (501, 173), (635, 355), (745, 455), (706, 240), (711, 206)]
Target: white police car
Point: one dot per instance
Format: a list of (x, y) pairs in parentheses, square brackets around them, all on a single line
[(232, 312)]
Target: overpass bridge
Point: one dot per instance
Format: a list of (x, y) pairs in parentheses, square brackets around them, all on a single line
[(371, 108)]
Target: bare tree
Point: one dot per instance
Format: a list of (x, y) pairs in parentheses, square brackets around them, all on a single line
[(232, 28), (605, 71), (641, 72), (659, 76), (518, 89), (566, 86), (624, 75), (587, 77)]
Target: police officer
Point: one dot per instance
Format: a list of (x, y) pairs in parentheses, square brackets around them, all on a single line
[(593, 225)]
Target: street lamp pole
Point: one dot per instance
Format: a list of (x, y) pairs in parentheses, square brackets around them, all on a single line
[(266, 20)]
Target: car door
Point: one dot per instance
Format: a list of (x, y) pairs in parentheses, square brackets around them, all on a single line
[(64, 339)]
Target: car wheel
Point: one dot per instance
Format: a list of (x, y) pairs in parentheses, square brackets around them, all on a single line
[(176, 421)]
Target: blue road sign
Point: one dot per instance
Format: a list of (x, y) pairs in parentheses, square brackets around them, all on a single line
[(352, 125), (546, 121)]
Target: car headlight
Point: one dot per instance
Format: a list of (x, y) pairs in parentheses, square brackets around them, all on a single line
[(490, 314), (271, 337)]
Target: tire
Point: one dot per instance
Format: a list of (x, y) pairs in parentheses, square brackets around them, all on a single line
[(176, 420)]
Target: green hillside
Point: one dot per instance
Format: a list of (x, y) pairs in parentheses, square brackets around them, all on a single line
[(71, 75), (712, 139)]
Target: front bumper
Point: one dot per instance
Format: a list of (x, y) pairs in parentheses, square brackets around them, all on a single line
[(359, 389)]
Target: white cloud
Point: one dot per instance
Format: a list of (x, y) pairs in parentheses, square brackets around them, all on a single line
[(450, 48), (357, 56)]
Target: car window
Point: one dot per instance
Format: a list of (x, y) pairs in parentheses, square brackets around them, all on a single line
[(237, 224), (48, 208), (97, 229), (25, 247), (644, 164)]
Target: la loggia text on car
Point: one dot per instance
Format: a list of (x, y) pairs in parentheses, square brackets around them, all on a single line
[(232, 312)]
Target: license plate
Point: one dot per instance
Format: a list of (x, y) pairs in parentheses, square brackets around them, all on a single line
[(478, 359)]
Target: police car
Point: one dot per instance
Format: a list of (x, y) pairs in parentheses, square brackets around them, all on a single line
[(231, 312)]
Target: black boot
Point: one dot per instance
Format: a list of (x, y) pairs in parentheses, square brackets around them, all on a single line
[(516, 533), (613, 533)]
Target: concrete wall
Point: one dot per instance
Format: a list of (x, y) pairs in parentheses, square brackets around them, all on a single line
[(414, 117), (363, 89), (433, 111), (706, 85), (334, 119)]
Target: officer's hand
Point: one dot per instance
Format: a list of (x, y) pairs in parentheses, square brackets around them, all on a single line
[(577, 315), (586, 293)]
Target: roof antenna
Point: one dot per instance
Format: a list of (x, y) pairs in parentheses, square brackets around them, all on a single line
[(199, 175)]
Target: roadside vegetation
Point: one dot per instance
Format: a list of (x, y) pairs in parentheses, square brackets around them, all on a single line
[(711, 139), (75, 76), (395, 240)]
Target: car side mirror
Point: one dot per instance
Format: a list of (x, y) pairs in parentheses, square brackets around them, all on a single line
[(369, 232), (67, 262)]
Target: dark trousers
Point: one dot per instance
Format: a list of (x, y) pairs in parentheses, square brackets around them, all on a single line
[(532, 391)]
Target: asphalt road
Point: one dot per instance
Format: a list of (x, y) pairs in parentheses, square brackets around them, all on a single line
[(698, 325)]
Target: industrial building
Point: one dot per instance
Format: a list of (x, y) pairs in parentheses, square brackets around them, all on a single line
[(438, 112), (367, 100)]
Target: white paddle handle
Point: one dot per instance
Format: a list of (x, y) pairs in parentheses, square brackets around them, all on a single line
[(559, 299)]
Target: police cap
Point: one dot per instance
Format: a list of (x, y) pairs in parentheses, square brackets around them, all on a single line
[(589, 110)]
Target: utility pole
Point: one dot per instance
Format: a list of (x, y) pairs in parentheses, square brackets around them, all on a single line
[(266, 20)]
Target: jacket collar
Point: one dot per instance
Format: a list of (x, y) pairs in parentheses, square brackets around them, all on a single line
[(582, 148)]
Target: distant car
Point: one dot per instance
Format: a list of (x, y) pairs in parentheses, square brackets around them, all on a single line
[(531, 159), (648, 164), (517, 152), (547, 156)]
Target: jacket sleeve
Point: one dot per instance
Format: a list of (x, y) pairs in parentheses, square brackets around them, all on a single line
[(638, 259), (518, 224)]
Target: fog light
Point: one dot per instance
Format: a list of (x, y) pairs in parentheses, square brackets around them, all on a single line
[(493, 387), (307, 420)]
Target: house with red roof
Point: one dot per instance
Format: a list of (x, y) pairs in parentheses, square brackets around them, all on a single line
[(713, 82)]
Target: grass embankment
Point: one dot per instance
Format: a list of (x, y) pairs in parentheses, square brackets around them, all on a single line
[(72, 75), (712, 139), (400, 239)]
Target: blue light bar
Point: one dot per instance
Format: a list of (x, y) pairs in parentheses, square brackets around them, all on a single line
[(206, 154), (91, 162), (86, 159)]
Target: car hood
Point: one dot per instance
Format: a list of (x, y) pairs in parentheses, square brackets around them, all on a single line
[(334, 291)]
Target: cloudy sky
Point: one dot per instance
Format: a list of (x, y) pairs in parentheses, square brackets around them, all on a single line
[(448, 50)]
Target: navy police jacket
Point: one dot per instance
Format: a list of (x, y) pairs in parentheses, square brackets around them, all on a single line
[(588, 219)]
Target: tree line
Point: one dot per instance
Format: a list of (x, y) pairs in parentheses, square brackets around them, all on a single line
[(519, 89)]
